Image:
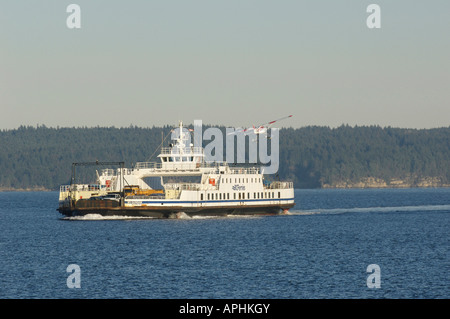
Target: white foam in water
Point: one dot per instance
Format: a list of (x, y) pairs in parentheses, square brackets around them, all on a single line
[(298, 212), (101, 217), (182, 215), (374, 209), (222, 217)]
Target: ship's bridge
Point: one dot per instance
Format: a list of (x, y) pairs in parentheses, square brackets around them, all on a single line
[(183, 154), (181, 157)]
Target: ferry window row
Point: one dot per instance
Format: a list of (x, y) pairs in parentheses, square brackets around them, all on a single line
[(241, 195), (241, 180)]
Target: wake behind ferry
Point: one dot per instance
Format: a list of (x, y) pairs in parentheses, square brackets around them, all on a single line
[(187, 185)]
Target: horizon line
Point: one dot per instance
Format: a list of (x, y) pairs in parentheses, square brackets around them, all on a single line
[(131, 126)]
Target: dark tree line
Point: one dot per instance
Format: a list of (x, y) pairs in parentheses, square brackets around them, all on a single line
[(32, 157), (319, 155)]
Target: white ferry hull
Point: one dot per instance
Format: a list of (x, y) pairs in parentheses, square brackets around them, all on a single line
[(174, 211)]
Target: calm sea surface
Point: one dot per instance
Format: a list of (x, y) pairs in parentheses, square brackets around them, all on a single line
[(321, 250)]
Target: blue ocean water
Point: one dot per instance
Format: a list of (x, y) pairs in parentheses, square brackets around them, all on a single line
[(320, 250)]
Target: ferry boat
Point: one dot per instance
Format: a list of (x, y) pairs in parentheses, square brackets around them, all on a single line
[(186, 184)]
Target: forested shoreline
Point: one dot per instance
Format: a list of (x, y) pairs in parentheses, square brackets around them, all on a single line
[(40, 158)]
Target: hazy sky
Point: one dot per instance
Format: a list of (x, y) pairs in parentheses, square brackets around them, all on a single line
[(229, 62)]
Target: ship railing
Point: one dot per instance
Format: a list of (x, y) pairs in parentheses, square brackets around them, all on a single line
[(182, 186), (113, 172), (146, 165), (216, 167), (80, 187), (169, 166), (281, 185), (191, 151), (177, 165), (64, 188), (153, 196), (108, 172), (247, 170)]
